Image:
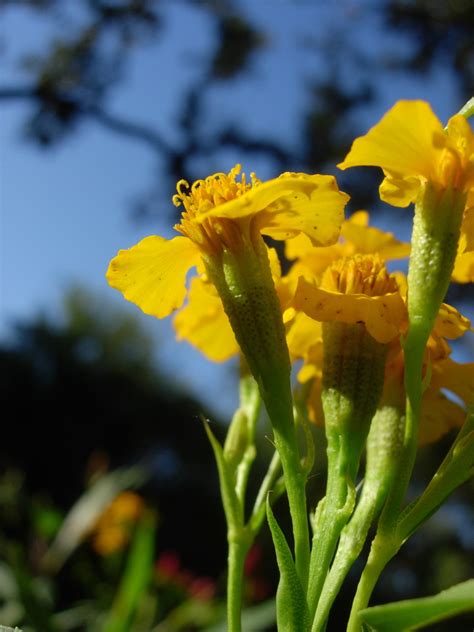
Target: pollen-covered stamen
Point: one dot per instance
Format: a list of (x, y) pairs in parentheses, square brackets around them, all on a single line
[(216, 189), (359, 274), (213, 233)]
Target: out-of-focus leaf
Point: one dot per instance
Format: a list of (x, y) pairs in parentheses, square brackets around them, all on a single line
[(291, 605), (136, 577), (254, 619), (86, 511), (413, 614), (11, 609)]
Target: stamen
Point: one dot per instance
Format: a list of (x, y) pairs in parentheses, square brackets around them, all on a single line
[(360, 274)]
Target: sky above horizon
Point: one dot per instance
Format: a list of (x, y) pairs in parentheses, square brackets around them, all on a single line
[(64, 211)]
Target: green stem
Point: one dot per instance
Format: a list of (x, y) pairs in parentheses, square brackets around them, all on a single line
[(258, 511), (280, 411), (250, 403), (338, 505), (353, 369), (381, 552), (239, 545), (414, 351), (435, 237), (382, 453), (243, 278)]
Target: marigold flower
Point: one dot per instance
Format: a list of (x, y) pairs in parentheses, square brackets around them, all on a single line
[(219, 213), (354, 290), (112, 531), (439, 413), (411, 146)]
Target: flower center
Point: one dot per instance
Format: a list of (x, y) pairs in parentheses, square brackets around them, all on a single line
[(216, 189), (203, 195), (359, 274)]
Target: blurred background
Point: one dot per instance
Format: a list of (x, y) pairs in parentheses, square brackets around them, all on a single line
[(105, 105)]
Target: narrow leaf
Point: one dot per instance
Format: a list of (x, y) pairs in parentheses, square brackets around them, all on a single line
[(414, 614), (136, 577), (292, 608), (232, 506)]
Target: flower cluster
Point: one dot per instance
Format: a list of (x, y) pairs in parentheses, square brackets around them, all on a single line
[(370, 344)]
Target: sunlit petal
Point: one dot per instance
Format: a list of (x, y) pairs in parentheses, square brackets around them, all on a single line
[(152, 274)]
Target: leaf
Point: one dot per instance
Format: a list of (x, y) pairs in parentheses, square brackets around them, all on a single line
[(254, 619), (292, 608), (413, 614), (232, 507), (136, 577)]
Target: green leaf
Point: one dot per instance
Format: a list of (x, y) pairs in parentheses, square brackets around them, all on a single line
[(413, 614), (232, 507), (292, 608), (136, 577), (254, 619)]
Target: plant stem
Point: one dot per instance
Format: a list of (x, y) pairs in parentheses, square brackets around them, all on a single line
[(338, 505), (382, 455), (238, 549), (381, 552), (280, 411), (267, 483)]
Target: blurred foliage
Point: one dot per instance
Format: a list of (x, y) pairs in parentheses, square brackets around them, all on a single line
[(439, 30)]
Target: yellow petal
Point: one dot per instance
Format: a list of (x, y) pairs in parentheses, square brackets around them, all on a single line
[(314, 403), (399, 191), (450, 323), (383, 316), (403, 141), (359, 218), (439, 415), (289, 205), (358, 237), (463, 271), (455, 377), (204, 324), (369, 240), (152, 274), (314, 207), (304, 332)]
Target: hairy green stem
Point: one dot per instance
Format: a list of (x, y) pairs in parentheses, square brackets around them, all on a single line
[(280, 411), (382, 452), (380, 554), (238, 546), (338, 505), (435, 237)]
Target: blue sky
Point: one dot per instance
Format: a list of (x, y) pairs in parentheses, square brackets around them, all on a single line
[(64, 211)]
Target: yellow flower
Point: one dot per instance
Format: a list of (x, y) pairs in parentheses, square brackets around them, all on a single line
[(411, 146), (357, 237), (439, 413), (354, 290), (112, 531), (221, 213)]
